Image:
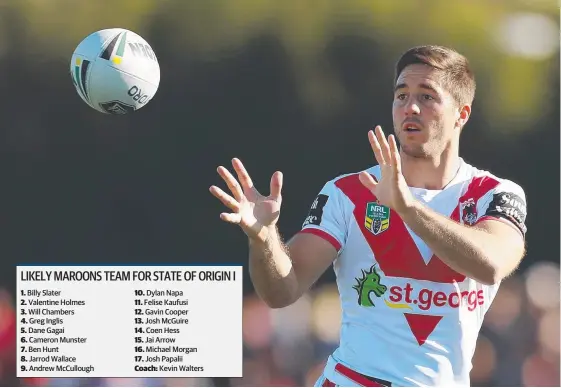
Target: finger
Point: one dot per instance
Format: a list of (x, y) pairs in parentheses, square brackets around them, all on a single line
[(243, 176), (232, 183), (381, 137), (367, 180), (276, 185), (234, 218), (225, 198), (376, 148), (396, 159)]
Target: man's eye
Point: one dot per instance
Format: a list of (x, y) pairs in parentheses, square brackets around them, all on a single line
[(427, 97), (401, 96)]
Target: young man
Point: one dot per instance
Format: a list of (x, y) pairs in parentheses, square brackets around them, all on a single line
[(419, 243)]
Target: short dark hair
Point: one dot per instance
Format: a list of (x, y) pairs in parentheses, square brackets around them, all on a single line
[(458, 78)]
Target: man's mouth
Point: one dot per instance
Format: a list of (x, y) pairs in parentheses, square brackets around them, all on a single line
[(411, 127)]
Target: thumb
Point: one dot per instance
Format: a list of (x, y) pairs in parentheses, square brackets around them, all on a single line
[(368, 181), (276, 185)]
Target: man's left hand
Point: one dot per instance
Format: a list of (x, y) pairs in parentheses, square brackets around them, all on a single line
[(391, 190)]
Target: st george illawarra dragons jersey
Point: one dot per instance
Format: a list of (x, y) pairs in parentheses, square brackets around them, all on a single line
[(407, 317)]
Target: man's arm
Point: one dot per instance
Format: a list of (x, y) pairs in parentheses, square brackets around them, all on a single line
[(282, 274), (487, 252)]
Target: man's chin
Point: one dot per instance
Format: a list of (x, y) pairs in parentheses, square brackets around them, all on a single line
[(416, 151)]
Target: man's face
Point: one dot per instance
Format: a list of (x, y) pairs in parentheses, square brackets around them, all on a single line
[(425, 116)]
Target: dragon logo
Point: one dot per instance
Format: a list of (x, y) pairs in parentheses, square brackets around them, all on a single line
[(367, 284)]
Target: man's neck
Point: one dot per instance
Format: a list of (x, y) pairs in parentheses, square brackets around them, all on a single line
[(430, 173)]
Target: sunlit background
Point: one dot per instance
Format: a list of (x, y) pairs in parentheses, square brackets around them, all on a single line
[(290, 85)]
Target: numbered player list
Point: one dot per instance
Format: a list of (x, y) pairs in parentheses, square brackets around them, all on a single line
[(145, 321)]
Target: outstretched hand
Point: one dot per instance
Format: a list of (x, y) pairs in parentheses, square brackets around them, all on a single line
[(391, 190), (252, 211)]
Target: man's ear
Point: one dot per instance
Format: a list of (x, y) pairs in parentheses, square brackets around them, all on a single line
[(463, 115)]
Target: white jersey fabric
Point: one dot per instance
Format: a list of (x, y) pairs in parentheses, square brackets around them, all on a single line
[(407, 317)]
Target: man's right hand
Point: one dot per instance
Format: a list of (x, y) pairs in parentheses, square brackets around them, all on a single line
[(253, 212)]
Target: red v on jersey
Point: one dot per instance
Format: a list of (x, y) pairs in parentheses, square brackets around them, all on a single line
[(396, 251), (422, 325)]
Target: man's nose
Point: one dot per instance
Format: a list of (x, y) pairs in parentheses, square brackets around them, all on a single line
[(412, 108)]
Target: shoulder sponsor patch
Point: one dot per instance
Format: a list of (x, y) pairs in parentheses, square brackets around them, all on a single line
[(510, 206), (316, 211)]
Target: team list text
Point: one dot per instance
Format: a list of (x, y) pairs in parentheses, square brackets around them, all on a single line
[(129, 321)]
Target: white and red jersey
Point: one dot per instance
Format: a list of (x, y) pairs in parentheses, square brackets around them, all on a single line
[(407, 317)]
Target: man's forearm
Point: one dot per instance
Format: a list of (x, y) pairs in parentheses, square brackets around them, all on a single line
[(271, 271), (467, 250)]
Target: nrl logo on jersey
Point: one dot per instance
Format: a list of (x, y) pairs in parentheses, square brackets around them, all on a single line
[(377, 218)]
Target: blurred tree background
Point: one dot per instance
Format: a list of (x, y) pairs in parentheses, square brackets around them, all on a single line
[(289, 85)]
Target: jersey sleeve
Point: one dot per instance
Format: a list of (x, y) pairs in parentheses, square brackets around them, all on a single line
[(507, 203), (326, 217)]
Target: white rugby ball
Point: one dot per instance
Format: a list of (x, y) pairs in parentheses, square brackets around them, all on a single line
[(115, 71)]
